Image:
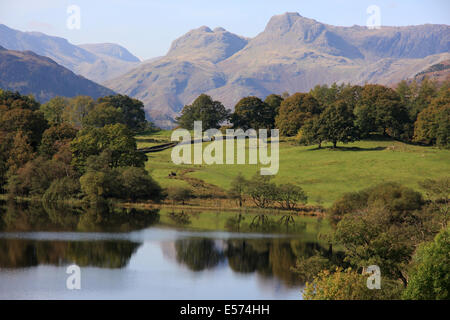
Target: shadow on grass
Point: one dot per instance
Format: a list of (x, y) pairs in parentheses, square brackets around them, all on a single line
[(341, 148)]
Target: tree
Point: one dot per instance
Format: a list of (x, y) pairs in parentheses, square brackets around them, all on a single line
[(438, 194), (295, 111), (274, 101), (117, 138), (347, 285), (433, 123), (132, 110), (20, 153), (103, 114), (238, 186), (252, 112), (336, 124), (137, 184), (31, 123), (54, 110), (261, 190), (430, 278), (211, 113), (78, 108), (310, 133), (383, 226), (289, 196), (380, 110), (54, 137)]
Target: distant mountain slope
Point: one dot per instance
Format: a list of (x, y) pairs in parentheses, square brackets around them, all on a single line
[(111, 50), (98, 62), (29, 73), (292, 54), (439, 72)]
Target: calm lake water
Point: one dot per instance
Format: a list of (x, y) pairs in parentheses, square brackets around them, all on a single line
[(130, 255)]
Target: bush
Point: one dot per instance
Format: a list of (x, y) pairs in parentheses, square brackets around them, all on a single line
[(179, 194), (430, 279), (348, 285), (62, 189)]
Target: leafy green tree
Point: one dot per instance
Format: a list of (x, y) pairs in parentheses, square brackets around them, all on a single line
[(289, 196), (348, 285), (14, 100), (204, 108), (336, 124), (261, 190), (54, 110), (31, 123), (78, 108), (132, 110), (252, 112), (103, 114), (295, 111), (383, 226), (381, 111), (310, 133), (20, 153), (117, 138), (54, 137), (274, 101), (437, 192), (62, 189), (430, 278), (238, 186), (137, 184), (433, 123)]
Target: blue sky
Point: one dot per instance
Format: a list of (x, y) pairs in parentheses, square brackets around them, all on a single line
[(147, 27)]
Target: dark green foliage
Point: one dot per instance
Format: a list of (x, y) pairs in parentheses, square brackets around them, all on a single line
[(54, 137), (62, 189), (274, 101), (211, 113), (430, 277), (252, 112), (294, 112), (117, 138), (103, 114), (289, 196), (179, 194), (261, 190), (132, 110), (336, 124)]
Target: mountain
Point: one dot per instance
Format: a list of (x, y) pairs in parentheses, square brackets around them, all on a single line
[(29, 73), (292, 54), (439, 72), (98, 62)]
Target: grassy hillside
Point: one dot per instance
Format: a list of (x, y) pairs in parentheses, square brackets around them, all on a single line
[(325, 174)]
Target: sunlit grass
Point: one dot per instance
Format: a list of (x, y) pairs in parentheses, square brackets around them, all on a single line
[(325, 174)]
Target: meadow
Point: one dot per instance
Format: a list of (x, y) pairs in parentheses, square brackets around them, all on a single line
[(325, 174)]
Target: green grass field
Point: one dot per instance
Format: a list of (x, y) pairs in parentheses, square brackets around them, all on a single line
[(324, 174)]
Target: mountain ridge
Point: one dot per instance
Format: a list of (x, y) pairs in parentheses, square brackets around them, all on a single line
[(30, 73), (88, 60), (292, 53)]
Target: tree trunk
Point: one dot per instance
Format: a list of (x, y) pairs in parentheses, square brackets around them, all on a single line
[(334, 144)]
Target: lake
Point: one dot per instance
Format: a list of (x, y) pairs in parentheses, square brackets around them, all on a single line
[(131, 254)]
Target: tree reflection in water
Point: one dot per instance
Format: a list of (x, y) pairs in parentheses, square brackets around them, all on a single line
[(20, 253), (268, 257)]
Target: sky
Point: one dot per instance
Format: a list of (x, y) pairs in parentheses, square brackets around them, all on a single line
[(148, 27)]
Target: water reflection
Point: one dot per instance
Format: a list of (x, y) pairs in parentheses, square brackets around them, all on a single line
[(33, 236)]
